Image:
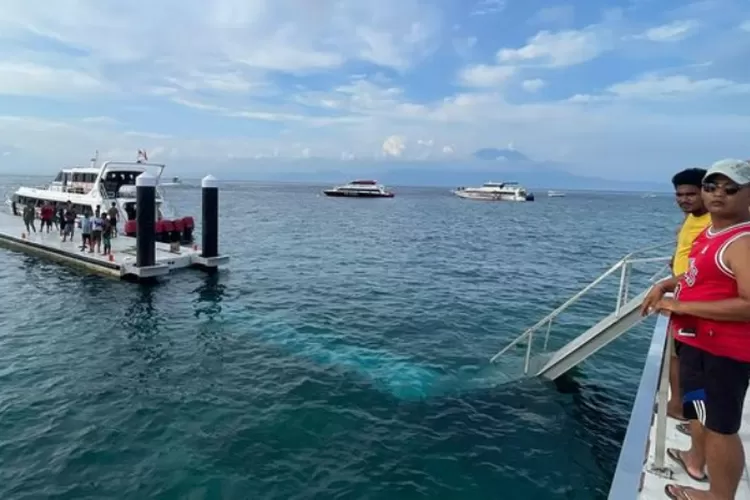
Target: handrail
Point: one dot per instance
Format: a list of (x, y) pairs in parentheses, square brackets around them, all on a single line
[(628, 479), (623, 264)]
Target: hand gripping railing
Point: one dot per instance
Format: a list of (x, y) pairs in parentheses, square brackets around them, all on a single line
[(624, 265)]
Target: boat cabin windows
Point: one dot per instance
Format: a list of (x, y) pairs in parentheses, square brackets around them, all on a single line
[(114, 180), (130, 210)]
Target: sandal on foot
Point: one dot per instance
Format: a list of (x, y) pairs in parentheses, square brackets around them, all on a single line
[(677, 492), (676, 455)]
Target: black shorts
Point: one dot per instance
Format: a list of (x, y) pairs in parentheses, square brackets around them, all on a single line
[(713, 389)]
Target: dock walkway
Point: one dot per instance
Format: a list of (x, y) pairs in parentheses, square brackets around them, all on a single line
[(122, 262)]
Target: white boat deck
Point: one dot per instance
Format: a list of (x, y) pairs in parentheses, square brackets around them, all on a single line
[(654, 484), (121, 264)]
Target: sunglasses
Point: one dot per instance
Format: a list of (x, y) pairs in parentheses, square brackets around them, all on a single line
[(729, 190)]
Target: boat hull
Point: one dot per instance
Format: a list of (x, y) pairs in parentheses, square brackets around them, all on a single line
[(345, 194), (469, 195)]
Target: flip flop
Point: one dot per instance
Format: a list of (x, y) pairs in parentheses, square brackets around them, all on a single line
[(683, 428), (676, 455), (682, 492)]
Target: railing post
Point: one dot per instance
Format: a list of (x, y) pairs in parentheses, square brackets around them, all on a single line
[(661, 415), (546, 336), (528, 353), (623, 278)]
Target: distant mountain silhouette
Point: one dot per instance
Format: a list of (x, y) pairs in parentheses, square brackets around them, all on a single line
[(494, 154)]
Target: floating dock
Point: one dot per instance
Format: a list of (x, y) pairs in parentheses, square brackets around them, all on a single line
[(140, 257), (122, 264)]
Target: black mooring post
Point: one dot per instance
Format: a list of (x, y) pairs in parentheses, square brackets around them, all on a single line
[(210, 222), (145, 235)]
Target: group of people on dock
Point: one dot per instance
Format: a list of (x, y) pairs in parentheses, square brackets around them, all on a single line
[(97, 228), (709, 314)]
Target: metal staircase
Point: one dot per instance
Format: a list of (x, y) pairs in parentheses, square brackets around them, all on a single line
[(551, 364)]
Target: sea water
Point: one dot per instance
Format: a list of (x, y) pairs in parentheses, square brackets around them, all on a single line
[(343, 354)]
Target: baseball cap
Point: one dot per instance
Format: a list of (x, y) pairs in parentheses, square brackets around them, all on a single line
[(738, 171)]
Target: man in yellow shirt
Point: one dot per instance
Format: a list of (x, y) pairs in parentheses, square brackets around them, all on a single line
[(687, 185)]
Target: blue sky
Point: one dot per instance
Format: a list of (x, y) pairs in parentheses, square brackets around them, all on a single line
[(618, 89)]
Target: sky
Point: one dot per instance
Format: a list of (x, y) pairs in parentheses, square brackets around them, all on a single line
[(616, 89)]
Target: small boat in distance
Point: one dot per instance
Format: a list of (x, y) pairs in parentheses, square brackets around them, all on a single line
[(360, 189), (496, 191), (555, 194), (174, 182)]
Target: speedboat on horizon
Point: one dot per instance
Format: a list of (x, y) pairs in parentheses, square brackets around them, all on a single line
[(360, 189), (495, 191)]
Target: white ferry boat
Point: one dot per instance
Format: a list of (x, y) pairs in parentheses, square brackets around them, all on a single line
[(101, 186), (360, 189), (555, 194), (496, 191)]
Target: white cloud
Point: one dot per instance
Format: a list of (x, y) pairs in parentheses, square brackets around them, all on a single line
[(484, 7), (26, 78), (394, 146), (745, 26), (533, 85), (652, 86), (483, 75), (655, 87), (559, 14), (260, 35), (672, 32), (561, 49)]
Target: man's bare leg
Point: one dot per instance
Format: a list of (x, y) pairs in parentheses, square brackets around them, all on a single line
[(726, 459), (695, 457), (674, 405)]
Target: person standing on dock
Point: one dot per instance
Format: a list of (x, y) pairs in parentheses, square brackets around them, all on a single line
[(28, 217), (112, 212), (106, 236), (70, 223), (96, 232), (47, 213), (687, 186), (86, 231), (710, 315)]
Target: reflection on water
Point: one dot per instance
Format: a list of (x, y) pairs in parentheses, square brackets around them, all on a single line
[(209, 296), (143, 328)]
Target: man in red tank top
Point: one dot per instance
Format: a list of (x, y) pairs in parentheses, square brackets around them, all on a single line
[(710, 316)]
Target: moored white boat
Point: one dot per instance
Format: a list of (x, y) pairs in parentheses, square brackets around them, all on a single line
[(496, 191), (360, 189), (101, 187)]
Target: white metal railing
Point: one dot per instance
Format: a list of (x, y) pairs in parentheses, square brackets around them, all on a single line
[(629, 474), (624, 265)]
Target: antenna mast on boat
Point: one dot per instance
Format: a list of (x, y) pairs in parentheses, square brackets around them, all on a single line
[(95, 159)]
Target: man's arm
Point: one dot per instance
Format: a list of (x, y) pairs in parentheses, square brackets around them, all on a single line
[(737, 258)]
